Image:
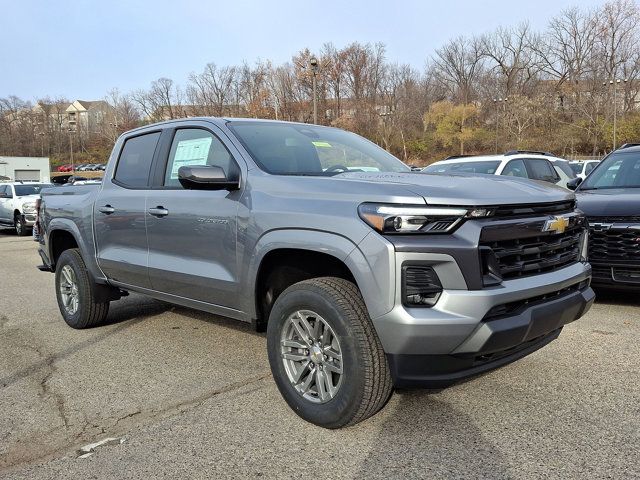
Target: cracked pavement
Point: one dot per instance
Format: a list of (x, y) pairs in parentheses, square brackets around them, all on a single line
[(192, 396)]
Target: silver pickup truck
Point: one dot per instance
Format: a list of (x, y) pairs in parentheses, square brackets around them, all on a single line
[(364, 274)]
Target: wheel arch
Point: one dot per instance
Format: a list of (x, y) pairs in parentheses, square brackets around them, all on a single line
[(284, 257), (64, 234)]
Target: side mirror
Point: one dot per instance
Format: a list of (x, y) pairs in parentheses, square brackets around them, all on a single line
[(574, 183), (205, 177)]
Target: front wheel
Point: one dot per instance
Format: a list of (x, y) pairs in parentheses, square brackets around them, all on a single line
[(75, 292), (19, 225), (325, 355)]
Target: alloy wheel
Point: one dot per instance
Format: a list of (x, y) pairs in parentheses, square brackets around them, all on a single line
[(69, 290), (312, 357)]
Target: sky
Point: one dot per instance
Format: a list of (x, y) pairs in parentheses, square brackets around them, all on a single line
[(83, 48)]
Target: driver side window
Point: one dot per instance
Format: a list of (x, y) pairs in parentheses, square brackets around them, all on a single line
[(195, 146)]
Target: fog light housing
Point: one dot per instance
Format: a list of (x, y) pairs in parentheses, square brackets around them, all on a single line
[(421, 286)]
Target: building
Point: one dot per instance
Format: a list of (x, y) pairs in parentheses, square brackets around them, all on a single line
[(89, 116), (33, 169)]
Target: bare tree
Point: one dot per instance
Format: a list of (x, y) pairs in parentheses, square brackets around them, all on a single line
[(457, 65), (212, 89), (510, 52)]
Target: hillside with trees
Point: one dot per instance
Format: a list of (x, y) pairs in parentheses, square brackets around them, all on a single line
[(559, 90)]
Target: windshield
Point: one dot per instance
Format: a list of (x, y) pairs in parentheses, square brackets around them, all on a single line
[(488, 167), (31, 189), (576, 167), (292, 149), (619, 170)]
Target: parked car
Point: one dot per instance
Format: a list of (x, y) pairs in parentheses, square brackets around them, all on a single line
[(582, 169), (64, 168), (18, 205), (101, 167), (84, 167), (362, 279), (610, 197), (515, 163)]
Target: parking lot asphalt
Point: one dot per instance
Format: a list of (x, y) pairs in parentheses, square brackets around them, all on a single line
[(189, 395)]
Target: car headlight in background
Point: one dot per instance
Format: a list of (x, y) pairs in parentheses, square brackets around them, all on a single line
[(387, 218), (29, 208)]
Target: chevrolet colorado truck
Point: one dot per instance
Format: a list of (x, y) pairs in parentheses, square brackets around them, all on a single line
[(364, 274)]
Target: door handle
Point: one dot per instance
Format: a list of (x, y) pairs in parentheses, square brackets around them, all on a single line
[(106, 209), (158, 211)]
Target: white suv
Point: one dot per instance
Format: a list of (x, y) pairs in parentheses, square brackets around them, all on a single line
[(582, 169), (515, 163), (18, 205)]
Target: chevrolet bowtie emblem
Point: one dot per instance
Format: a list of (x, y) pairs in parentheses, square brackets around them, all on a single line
[(556, 224)]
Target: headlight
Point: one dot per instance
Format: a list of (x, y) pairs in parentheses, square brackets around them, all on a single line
[(416, 219), (29, 208)]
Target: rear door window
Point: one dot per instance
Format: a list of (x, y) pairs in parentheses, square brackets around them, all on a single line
[(541, 169), (135, 160), (515, 168)]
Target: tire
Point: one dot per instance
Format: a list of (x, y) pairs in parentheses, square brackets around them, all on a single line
[(19, 225), (87, 312), (364, 385)]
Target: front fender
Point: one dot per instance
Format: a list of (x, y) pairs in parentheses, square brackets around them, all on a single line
[(330, 243)]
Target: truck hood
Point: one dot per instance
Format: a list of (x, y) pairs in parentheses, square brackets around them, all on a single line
[(468, 190), (610, 202), (22, 199)]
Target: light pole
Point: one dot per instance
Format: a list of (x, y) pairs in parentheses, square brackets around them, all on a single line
[(71, 148), (615, 82), (313, 63)]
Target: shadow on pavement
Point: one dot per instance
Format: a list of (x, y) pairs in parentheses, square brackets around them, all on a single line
[(427, 438)]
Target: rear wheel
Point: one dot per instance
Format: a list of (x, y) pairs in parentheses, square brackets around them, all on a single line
[(19, 225), (325, 355), (75, 292)]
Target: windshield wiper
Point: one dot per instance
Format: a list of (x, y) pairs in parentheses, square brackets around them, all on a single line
[(610, 187)]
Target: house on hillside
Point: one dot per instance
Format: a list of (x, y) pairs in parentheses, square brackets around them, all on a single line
[(89, 116)]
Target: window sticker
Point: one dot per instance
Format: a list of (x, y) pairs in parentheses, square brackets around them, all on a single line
[(322, 144), (190, 152)]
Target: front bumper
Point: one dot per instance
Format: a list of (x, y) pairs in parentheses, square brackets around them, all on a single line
[(29, 219), (471, 331)]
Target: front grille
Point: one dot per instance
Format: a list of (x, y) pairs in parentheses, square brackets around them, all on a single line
[(601, 274), (535, 209), (521, 257), (626, 274), (618, 219), (614, 244)]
